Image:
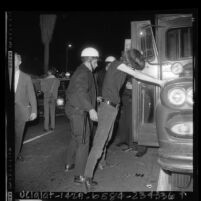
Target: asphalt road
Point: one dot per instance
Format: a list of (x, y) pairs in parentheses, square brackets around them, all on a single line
[(44, 159)]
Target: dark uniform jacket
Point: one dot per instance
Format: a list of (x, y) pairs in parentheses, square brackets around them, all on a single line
[(81, 92)]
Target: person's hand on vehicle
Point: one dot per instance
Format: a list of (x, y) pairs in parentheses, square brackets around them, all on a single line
[(93, 115)]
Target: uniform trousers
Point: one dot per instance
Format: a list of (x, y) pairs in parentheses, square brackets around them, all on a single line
[(49, 112), (106, 118), (78, 148)]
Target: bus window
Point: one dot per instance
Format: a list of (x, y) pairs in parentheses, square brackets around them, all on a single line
[(179, 43)]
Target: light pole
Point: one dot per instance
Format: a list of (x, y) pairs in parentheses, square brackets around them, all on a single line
[(67, 56)]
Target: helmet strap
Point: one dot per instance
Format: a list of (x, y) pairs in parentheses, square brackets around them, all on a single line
[(92, 69)]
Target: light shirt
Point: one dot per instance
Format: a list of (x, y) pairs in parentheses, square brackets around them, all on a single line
[(17, 74)]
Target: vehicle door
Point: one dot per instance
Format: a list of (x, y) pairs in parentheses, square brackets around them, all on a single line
[(145, 96)]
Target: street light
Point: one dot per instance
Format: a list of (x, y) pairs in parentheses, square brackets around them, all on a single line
[(67, 56)]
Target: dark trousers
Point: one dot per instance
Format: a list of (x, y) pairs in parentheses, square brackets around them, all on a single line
[(19, 130), (49, 112), (78, 148), (124, 131), (106, 118)]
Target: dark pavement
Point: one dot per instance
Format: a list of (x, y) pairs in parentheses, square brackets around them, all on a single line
[(44, 159)]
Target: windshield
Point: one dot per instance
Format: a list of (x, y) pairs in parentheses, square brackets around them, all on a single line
[(179, 43), (178, 52)]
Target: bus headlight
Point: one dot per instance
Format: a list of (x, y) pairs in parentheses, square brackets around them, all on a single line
[(177, 96)]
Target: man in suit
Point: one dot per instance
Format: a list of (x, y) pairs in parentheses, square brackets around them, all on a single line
[(49, 87), (80, 110), (25, 103)]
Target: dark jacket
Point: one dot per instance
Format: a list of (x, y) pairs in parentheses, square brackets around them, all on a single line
[(100, 79), (49, 87), (113, 81), (25, 98), (81, 92)]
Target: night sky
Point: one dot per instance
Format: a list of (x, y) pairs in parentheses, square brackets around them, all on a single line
[(105, 30)]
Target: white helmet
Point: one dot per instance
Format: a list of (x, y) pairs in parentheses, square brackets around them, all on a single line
[(110, 59), (89, 52)]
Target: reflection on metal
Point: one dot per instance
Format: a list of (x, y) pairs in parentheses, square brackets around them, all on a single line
[(164, 183), (143, 110), (127, 44)]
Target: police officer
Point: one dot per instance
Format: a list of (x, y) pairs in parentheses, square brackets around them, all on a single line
[(81, 110), (108, 61)]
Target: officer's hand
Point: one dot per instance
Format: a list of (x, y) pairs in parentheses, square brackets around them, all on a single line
[(93, 115), (99, 98), (32, 116)]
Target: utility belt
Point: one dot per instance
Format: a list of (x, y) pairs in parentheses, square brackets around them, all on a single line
[(108, 102)]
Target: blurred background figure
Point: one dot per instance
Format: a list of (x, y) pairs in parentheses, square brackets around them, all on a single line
[(25, 104), (49, 86), (124, 131), (124, 135)]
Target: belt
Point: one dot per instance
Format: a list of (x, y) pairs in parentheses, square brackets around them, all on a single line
[(109, 102)]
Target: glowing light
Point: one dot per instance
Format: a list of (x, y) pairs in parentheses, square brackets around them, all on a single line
[(60, 101), (185, 128)]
